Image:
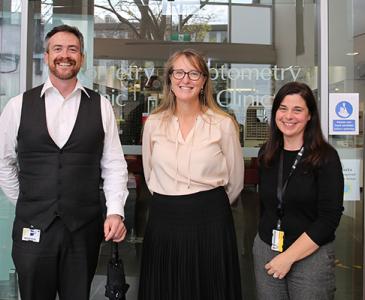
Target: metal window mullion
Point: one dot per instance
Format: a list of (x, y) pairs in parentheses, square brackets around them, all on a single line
[(323, 64), (23, 46)]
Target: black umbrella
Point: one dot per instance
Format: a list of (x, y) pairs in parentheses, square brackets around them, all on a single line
[(116, 287)]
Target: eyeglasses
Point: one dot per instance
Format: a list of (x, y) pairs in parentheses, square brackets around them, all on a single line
[(180, 74)]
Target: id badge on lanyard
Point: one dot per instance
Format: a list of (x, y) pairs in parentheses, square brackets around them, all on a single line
[(277, 241)]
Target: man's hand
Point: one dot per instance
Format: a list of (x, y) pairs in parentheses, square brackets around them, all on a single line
[(114, 228)]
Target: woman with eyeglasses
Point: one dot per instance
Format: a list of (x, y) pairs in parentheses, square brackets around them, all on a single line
[(193, 166)]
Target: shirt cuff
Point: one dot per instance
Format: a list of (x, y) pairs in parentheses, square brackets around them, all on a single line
[(115, 208)]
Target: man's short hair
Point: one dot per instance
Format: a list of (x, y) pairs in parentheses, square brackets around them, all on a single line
[(65, 28)]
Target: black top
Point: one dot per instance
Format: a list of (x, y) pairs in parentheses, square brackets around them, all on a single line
[(313, 201)]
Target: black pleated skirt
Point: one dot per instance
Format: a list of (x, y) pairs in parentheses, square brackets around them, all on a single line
[(189, 249)]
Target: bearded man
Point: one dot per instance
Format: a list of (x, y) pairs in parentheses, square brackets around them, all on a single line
[(57, 141)]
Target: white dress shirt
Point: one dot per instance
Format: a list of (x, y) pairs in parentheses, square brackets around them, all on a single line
[(61, 116), (210, 156)]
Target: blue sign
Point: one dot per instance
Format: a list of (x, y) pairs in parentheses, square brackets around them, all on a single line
[(344, 109), (343, 125), (343, 114)]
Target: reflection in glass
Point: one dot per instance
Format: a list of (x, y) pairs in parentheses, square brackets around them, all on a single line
[(8, 63), (165, 21), (134, 88)]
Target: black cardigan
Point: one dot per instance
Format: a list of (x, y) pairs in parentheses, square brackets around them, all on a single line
[(313, 202)]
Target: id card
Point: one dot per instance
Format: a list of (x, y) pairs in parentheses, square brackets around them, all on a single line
[(277, 240), (31, 235)]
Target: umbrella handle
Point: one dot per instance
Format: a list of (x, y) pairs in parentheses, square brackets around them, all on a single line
[(115, 254)]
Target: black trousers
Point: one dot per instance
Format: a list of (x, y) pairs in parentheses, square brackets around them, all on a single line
[(62, 262)]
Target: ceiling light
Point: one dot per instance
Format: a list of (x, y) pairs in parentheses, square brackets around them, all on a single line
[(352, 53)]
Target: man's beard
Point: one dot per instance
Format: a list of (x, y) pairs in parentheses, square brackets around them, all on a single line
[(64, 75)]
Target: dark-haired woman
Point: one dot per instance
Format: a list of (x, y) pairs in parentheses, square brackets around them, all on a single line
[(301, 197), (193, 165)]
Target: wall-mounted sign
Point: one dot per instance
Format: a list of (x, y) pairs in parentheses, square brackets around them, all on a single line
[(351, 174), (344, 113)]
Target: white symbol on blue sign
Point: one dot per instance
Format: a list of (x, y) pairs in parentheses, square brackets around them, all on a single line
[(344, 109)]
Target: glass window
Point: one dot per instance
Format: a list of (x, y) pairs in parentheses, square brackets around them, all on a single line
[(347, 75), (178, 21), (10, 22), (127, 46), (250, 58)]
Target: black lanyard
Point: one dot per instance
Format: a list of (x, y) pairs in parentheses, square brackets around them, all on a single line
[(280, 191)]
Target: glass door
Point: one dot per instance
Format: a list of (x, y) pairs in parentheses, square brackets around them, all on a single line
[(346, 91), (9, 87)]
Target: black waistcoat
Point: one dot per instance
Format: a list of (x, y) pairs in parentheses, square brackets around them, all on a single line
[(59, 182)]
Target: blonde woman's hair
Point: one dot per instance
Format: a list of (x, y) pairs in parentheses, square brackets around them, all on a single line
[(206, 99)]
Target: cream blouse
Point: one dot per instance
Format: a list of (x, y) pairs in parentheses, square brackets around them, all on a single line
[(209, 157)]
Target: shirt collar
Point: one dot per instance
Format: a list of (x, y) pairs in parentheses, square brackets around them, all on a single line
[(48, 85)]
